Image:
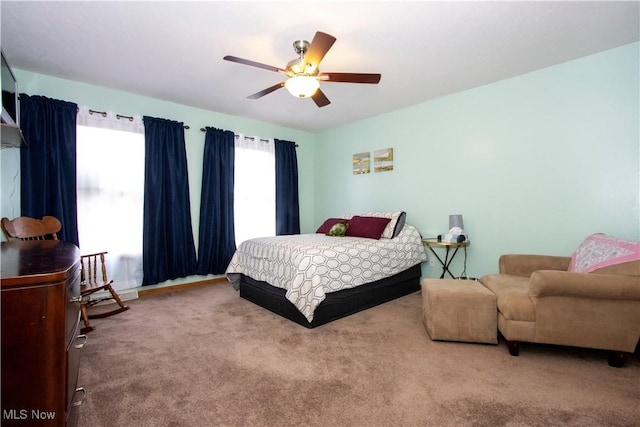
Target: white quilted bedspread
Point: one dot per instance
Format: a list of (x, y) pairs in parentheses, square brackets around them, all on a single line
[(309, 266)]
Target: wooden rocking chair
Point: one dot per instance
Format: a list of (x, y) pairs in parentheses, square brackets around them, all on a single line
[(27, 228), (90, 283)]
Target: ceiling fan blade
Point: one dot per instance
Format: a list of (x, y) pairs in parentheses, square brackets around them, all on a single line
[(318, 48), (253, 64), (350, 77), (320, 98), (266, 91)]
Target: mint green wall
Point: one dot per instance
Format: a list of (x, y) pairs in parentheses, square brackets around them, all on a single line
[(100, 98), (535, 163)]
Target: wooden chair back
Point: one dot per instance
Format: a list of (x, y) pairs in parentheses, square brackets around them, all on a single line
[(27, 228)]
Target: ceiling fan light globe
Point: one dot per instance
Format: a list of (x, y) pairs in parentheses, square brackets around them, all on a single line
[(302, 86)]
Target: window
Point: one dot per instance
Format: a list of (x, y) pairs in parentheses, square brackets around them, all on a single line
[(254, 188), (110, 185)]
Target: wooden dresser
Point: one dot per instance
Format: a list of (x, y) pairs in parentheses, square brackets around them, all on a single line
[(40, 299)]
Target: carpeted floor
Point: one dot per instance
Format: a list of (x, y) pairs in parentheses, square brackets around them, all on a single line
[(206, 357)]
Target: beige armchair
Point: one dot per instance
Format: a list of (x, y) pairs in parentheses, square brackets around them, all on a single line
[(539, 301)]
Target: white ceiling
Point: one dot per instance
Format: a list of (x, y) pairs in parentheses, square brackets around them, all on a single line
[(173, 50)]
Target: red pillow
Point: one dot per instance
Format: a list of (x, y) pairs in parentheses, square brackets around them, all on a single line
[(367, 226), (326, 226)]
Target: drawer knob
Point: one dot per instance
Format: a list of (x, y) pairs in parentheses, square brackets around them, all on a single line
[(83, 340), (84, 394)]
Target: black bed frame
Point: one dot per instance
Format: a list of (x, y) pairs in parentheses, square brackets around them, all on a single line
[(336, 304)]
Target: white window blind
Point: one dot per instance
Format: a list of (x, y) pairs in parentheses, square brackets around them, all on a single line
[(254, 188), (110, 185)]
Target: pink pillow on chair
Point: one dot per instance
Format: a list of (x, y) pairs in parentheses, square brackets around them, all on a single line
[(599, 251)]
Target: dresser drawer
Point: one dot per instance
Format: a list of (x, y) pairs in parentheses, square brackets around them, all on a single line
[(74, 411), (73, 305), (73, 364)]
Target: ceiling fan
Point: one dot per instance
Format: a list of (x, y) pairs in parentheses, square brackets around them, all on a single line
[(303, 74)]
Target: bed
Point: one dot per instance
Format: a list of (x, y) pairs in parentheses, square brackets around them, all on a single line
[(313, 279)]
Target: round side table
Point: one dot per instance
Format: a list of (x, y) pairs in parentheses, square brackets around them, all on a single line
[(434, 243)]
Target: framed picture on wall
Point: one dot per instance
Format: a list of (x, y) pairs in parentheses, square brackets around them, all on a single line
[(383, 160), (361, 163)]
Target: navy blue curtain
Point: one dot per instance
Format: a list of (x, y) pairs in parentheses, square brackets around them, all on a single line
[(168, 250), (216, 243), (287, 202), (48, 162)]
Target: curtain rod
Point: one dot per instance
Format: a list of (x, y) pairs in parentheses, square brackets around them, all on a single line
[(119, 116), (246, 137), (251, 138), (237, 136)]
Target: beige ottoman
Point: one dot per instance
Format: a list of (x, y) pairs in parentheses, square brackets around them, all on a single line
[(459, 310)]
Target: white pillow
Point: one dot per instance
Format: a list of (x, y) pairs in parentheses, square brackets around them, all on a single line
[(390, 230)]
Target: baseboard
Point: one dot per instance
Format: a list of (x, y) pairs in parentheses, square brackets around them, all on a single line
[(131, 294), (128, 295), (182, 287)]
